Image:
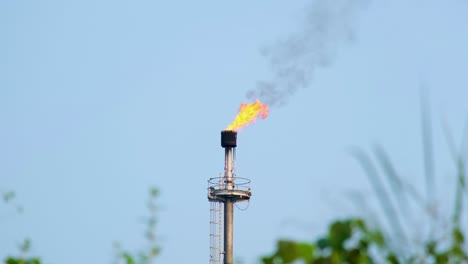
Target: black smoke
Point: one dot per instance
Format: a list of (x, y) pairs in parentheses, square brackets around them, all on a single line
[(294, 60)]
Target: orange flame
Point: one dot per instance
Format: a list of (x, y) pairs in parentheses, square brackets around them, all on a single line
[(248, 113)]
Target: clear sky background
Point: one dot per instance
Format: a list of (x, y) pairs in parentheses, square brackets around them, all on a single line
[(100, 100)]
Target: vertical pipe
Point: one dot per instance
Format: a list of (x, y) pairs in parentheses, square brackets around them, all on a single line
[(228, 168), (228, 210), (228, 232)]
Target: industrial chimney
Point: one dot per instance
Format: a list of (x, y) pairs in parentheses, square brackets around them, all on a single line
[(223, 192)]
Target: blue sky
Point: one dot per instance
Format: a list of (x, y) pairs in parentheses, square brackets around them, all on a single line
[(100, 100)]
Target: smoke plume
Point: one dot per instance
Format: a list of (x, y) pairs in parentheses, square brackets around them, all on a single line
[(327, 25)]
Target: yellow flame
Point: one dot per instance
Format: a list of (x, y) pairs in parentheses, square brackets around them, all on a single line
[(248, 113)]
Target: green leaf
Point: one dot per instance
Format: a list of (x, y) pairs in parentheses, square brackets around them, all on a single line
[(26, 246), (391, 258), (431, 248), (12, 260), (305, 251), (287, 251), (154, 192), (267, 260), (376, 237), (8, 196), (128, 258), (457, 236), (359, 224), (340, 231), (442, 258), (155, 251), (323, 243)]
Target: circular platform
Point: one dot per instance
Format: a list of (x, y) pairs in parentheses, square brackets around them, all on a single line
[(237, 190)]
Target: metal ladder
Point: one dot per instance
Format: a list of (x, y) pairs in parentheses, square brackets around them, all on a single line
[(216, 242)]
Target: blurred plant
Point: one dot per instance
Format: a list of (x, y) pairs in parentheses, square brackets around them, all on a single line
[(347, 241), (122, 256), (397, 200), (9, 197), (22, 259), (147, 256)]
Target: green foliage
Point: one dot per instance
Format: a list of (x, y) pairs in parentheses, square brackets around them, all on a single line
[(454, 254), (347, 241), (394, 200), (350, 241), (24, 248), (22, 261), (290, 251), (9, 197), (146, 256), (143, 257)]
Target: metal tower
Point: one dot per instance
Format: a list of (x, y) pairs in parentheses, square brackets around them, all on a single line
[(223, 192)]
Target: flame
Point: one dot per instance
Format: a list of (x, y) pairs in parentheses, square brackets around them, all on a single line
[(248, 113)]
